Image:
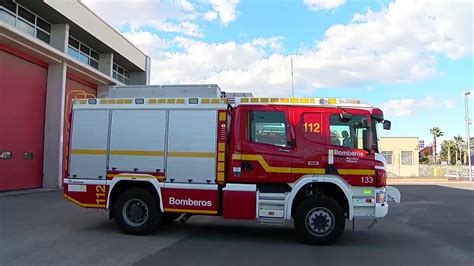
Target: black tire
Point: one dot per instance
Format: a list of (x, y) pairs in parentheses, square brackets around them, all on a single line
[(137, 212), (319, 221)]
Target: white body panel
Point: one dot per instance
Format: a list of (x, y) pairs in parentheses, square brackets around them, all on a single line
[(140, 131), (177, 139), (191, 146), (89, 135)]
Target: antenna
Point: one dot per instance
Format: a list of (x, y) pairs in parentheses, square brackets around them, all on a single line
[(292, 82)]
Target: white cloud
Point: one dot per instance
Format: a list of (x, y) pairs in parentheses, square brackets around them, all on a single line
[(177, 16), (401, 107), (185, 5), (210, 16), (226, 9), (187, 28), (316, 5), (390, 46), (398, 44), (273, 43), (410, 106), (147, 41)]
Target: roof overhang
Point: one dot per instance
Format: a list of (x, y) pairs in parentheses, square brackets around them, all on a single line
[(20, 41)]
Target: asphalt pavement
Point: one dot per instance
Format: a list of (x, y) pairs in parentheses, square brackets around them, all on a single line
[(434, 225)]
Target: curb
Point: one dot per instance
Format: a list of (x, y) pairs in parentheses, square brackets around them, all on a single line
[(26, 191)]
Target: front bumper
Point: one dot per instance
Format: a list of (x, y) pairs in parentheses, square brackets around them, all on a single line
[(381, 209)]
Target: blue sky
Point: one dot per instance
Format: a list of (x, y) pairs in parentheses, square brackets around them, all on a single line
[(414, 59)]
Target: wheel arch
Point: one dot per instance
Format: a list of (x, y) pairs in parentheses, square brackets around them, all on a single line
[(121, 185), (341, 187)]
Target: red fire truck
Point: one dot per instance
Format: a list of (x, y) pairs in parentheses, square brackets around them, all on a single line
[(150, 160)]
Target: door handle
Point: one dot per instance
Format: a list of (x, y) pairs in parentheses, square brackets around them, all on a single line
[(245, 165), (6, 155), (283, 150)]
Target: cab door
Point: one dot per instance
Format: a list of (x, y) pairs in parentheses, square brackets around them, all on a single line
[(261, 153), (309, 150)]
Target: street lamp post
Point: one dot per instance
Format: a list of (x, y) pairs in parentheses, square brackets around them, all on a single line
[(468, 137)]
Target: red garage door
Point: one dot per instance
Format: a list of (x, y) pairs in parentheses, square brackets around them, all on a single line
[(22, 104)]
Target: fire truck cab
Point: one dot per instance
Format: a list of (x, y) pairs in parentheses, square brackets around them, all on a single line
[(149, 160)]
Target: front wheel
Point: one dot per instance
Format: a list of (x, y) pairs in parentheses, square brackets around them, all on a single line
[(137, 212), (319, 221)]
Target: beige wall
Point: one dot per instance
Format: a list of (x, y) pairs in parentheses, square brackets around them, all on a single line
[(396, 145), (89, 21)]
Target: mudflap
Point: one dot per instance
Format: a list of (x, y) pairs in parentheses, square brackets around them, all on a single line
[(393, 194)]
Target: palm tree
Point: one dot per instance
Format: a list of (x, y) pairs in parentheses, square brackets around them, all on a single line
[(458, 142), (449, 144), (436, 132)]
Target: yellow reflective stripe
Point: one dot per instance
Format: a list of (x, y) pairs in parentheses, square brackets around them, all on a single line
[(220, 167), (134, 176), (220, 176), (137, 153), (146, 153), (221, 146), (222, 116), (355, 172), (192, 154), (220, 157), (86, 205), (273, 169), (88, 152), (190, 211)]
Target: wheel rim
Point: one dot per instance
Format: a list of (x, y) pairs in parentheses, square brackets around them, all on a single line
[(320, 221), (135, 212)]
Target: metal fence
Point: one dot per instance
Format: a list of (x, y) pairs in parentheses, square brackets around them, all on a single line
[(457, 172)]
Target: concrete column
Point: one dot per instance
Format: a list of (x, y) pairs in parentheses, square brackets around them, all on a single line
[(60, 37), (141, 78), (53, 126), (148, 70), (105, 63)]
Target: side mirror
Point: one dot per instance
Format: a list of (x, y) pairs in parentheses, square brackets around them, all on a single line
[(387, 124), (345, 116), (367, 140)]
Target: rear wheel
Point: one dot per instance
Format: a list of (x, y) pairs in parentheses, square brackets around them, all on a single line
[(319, 221), (137, 212)]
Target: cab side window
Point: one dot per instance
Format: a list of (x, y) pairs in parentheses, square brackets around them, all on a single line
[(267, 127), (346, 133)]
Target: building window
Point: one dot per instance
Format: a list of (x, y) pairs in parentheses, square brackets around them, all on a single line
[(267, 128), (121, 74), (83, 53), (25, 20), (388, 156), (407, 157)]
